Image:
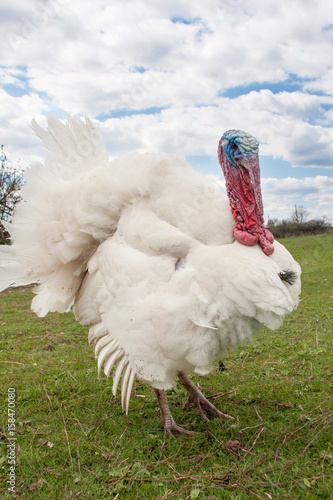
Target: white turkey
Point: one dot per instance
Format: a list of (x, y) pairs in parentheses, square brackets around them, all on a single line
[(148, 253)]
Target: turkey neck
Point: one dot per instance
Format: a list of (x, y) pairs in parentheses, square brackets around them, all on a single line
[(244, 193)]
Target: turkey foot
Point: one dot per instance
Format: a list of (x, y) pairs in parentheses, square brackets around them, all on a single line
[(168, 422), (198, 399)]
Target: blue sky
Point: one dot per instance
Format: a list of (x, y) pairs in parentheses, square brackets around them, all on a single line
[(173, 75)]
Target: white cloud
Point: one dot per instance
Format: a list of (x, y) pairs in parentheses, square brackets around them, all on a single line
[(281, 195), (181, 57), (15, 129), (313, 193)]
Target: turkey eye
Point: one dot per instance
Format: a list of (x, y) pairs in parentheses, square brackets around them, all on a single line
[(233, 145)]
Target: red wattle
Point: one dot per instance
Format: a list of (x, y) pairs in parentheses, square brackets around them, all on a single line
[(266, 240), (268, 250), (245, 237)]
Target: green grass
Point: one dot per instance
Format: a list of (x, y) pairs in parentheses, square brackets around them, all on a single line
[(74, 442)]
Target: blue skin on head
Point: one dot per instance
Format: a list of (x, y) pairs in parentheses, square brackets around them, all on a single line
[(239, 145)]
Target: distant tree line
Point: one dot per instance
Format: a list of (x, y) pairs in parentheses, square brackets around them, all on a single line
[(298, 225), (11, 182)]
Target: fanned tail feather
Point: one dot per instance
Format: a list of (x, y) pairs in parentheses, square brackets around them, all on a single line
[(75, 147), (53, 233)]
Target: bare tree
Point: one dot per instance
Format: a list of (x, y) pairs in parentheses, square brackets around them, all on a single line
[(299, 215), (11, 182)]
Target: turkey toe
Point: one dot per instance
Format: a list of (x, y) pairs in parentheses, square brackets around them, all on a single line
[(198, 399)]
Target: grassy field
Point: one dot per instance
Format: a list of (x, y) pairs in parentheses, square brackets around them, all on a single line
[(73, 442)]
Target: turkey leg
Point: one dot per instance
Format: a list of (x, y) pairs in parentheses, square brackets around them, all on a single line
[(198, 399), (168, 422)]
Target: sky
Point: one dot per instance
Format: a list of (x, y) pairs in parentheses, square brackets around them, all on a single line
[(172, 76)]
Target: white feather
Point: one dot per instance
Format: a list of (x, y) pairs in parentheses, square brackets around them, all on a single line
[(106, 351), (129, 390), (102, 341), (96, 332), (125, 385), (117, 373), (111, 361)]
